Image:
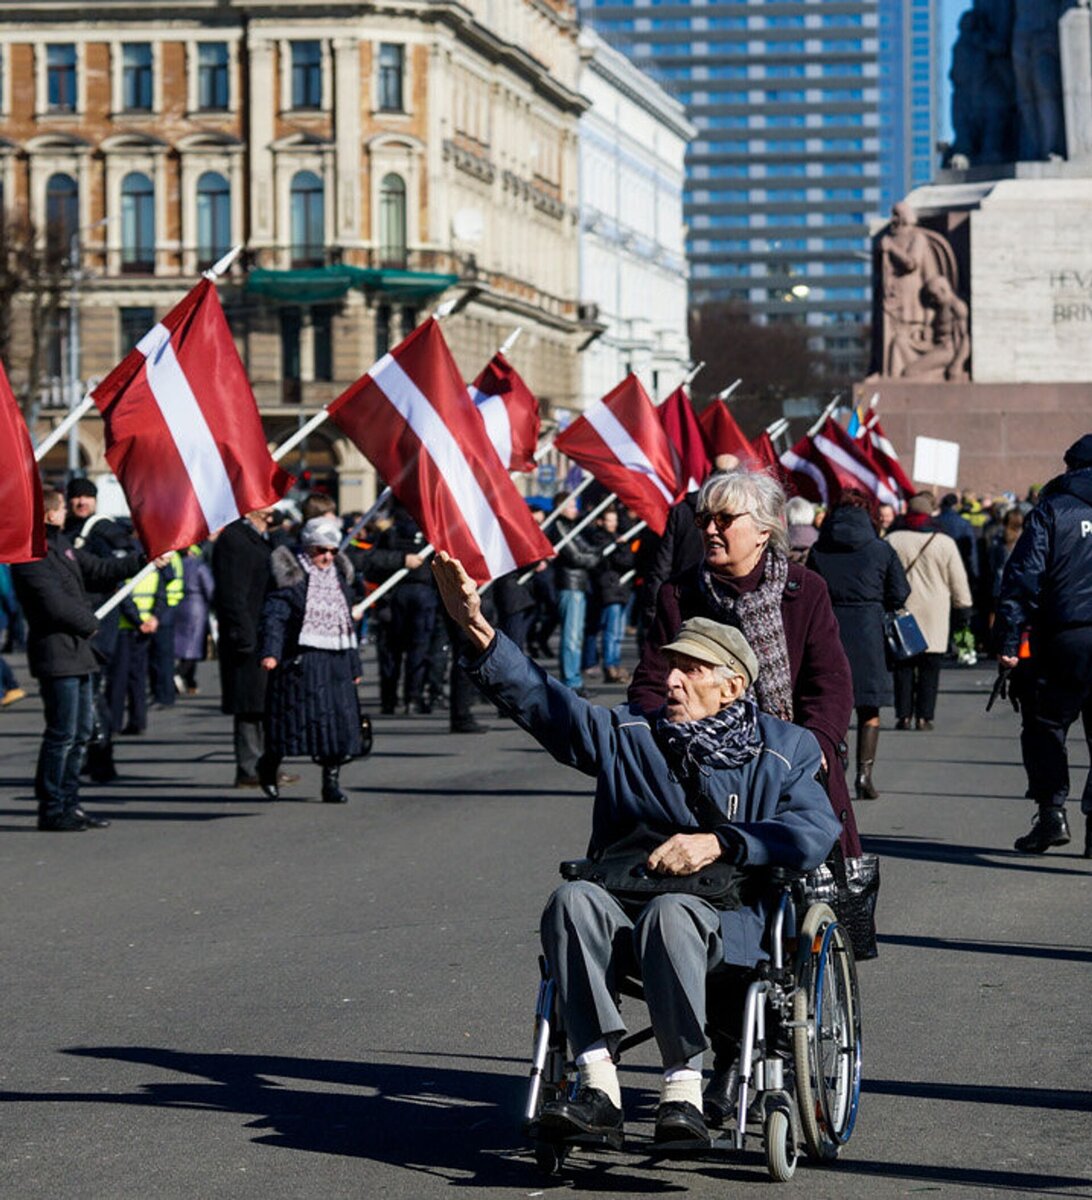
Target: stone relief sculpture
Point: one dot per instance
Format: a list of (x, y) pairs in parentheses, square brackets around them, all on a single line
[(925, 324)]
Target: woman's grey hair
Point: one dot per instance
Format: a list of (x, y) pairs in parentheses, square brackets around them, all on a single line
[(799, 511), (748, 491)]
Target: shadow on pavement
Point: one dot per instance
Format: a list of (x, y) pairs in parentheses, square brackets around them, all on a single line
[(924, 850), (978, 1093), (1008, 949)]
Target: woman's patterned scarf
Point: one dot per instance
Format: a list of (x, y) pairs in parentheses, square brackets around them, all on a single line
[(758, 615), (327, 623), (727, 739)]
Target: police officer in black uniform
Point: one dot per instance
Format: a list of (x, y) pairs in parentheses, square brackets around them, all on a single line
[(1047, 586)]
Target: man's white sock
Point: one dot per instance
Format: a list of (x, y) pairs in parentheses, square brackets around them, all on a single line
[(597, 1070), (681, 1084)]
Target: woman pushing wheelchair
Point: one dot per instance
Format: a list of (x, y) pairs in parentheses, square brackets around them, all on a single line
[(682, 795)]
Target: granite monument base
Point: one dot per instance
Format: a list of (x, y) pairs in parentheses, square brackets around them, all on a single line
[(1011, 435)]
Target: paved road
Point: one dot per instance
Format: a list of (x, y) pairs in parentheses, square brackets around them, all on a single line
[(220, 997)]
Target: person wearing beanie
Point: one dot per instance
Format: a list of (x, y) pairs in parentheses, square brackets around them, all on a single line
[(308, 649), (1046, 590)]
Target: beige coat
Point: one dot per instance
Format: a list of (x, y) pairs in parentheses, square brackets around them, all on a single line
[(938, 581)]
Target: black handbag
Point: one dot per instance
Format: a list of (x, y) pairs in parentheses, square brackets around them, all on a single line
[(851, 886), (620, 869), (902, 636)]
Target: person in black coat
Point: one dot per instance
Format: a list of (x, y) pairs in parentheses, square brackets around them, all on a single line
[(609, 597), (865, 579), (309, 651), (61, 624), (240, 569)]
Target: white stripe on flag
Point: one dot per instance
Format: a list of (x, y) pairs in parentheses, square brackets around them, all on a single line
[(495, 415), (881, 443), (440, 444), (188, 429), (793, 462), (848, 463), (622, 446)]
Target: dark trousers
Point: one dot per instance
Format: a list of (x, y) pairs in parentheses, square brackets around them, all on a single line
[(249, 743), (917, 681), (1062, 692), (128, 681), (68, 713), (161, 662), (413, 612)]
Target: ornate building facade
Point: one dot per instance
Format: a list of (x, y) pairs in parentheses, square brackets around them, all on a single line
[(370, 161)]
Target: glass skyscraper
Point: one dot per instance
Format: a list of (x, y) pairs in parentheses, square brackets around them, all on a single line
[(813, 117)]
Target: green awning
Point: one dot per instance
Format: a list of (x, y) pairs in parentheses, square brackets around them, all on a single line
[(314, 285)]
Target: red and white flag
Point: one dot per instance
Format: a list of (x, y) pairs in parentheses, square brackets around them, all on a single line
[(510, 411), (22, 526), (183, 433), (810, 474), (412, 418), (687, 440), (621, 442), (851, 464), (882, 456), (723, 435)]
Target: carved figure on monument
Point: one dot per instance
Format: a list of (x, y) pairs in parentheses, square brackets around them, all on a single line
[(983, 112), (911, 258), (1036, 64), (949, 355)]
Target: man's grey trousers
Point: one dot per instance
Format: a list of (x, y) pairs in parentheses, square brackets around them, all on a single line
[(591, 944)]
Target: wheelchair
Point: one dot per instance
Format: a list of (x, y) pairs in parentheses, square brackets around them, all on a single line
[(799, 1073)]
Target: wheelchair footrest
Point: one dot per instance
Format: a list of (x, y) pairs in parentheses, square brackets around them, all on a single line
[(593, 1141), (689, 1148)]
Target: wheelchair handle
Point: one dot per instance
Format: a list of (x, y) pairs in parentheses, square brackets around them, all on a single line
[(573, 868)]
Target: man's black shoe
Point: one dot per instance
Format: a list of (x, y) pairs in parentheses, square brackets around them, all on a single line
[(721, 1095), (1088, 836), (1048, 828), (591, 1114), (90, 821), (468, 726), (62, 823), (679, 1122)]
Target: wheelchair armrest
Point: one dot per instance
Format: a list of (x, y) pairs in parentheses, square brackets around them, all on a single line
[(573, 868), (784, 876)]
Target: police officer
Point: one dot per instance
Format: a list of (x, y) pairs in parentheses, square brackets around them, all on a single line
[(1047, 585)]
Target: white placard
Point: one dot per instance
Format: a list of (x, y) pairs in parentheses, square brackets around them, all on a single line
[(936, 462)]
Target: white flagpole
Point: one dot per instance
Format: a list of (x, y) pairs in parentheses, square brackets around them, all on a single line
[(51, 439), (510, 340), (631, 532), (822, 418), (125, 591), (692, 374), (576, 528), (380, 500), (628, 576), (726, 393), (387, 584)]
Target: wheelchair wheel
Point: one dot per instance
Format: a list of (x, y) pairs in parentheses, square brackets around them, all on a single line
[(826, 1034), (780, 1146), (550, 1157)]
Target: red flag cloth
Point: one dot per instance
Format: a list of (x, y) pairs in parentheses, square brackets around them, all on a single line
[(621, 442), (850, 463), (723, 435), (183, 433), (766, 459), (22, 525), (412, 418), (693, 461), (510, 411), (811, 475), (881, 454)]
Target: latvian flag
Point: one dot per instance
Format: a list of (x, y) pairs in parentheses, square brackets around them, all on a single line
[(723, 435), (412, 418), (183, 433), (687, 440), (881, 454), (620, 441), (22, 527), (510, 411), (823, 464)]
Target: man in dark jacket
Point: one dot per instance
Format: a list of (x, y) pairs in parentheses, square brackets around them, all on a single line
[(240, 568), (574, 560), (706, 751), (53, 593), (1047, 585)]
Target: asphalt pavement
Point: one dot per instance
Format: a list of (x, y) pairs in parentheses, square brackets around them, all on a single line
[(225, 997)]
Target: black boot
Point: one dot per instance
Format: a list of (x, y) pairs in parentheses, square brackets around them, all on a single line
[(1048, 828), (868, 737), (1088, 835), (267, 777), (100, 763), (331, 792)]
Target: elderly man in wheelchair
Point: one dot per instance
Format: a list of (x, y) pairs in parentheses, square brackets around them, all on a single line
[(706, 816)]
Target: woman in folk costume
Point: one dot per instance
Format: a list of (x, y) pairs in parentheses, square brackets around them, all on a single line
[(309, 648)]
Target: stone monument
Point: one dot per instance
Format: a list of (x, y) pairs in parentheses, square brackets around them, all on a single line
[(982, 280)]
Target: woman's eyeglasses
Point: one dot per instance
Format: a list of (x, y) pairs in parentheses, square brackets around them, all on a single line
[(316, 551), (723, 521)]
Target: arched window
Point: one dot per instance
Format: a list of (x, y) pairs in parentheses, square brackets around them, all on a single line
[(213, 218), (308, 224), (137, 223), (62, 213), (392, 221)]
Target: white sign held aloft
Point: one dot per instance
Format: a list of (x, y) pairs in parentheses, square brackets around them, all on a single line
[(936, 462)]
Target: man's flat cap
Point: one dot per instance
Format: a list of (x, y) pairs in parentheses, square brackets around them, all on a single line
[(716, 644), (1080, 453), (80, 487)]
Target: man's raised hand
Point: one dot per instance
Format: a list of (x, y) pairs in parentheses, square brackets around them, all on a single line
[(460, 597)]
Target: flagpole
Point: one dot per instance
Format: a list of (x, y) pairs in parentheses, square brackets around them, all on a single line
[(628, 576), (726, 393), (125, 591), (51, 439), (510, 340), (582, 486), (692, 374), (380, 500), (576, 528), (631, 532), (822, 419), (387, 584)]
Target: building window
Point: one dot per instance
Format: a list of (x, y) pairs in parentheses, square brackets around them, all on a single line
[(137, 223), (308, 224), (136, 77), (322, 325), (62, 214), (61, 78), (213, 218), (212, 76), (306, 74), (133, 324), (392, 221), (391, 59)]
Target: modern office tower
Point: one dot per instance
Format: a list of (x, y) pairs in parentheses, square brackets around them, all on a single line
[(795, 153)]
